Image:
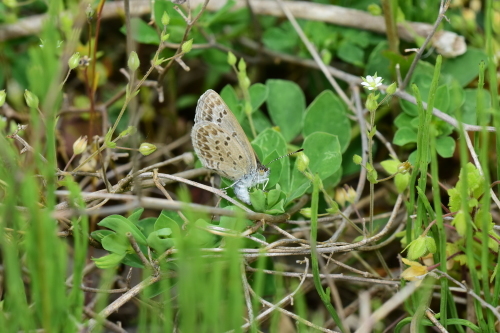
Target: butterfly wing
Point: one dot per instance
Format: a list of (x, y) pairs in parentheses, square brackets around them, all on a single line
[(221, 152), (212, 108)]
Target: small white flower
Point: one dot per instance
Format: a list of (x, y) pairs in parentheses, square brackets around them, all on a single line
[(372, 82), (41, 45)]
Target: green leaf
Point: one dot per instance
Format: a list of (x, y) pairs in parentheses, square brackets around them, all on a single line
[(442, 101), (403, 120), (199, 236), (228, 94), (405, 135), (327, 113), (460, 223), (417, 248), (258, 95), (469, 108), (234, 223), (273, 196), (351, 53), (161, 240), (391, 166), (109, 261), (147, 225), (116, 243), (464, 68), (135, 216), (286, 105), (98, 235), (121, 226), (273, 145), (445, 146), (324, 152), (276, 209), (142, 32), (258, 199)]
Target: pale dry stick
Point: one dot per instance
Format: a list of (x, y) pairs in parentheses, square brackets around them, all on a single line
[(442, 10), (358, 110), (352, 79), (155, 203), (166, 194), (286, 300), (314, 53), (471, 292), (26, 145), (106, 323), (139, 253), (382, 312), (436, 322), (364, 300), (246, 290), (147, 183), (215, 191), (472, 151), (118, 303)]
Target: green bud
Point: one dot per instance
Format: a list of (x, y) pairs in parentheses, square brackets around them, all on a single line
[(306, 212), (326, 56), (231, 58), (245, 83), (10, 3), (74, 60), (334, 209), (133, 61), (302, 162), (187, 46), (147, 148), (371, 102), (80, 145), (164, 37), (89, 11), (357, 159), (392, 88), (248, 108), (165, 19), (129, 131), (31, 99), (374, 9), (3, 96), (401, 181), (242, 66)]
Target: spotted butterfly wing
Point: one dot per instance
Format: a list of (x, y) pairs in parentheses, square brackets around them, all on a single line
[(219, 141)]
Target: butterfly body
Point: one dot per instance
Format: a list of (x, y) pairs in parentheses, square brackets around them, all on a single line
[(221, 145)]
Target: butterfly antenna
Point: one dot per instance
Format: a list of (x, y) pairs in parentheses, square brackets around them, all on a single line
[(279, 158)]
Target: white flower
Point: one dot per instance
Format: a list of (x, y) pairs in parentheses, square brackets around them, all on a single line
[(372, 82)]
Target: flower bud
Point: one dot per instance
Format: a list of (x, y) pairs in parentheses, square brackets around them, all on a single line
[(306, 212), (133, 61), (371, 103), (231, 58), (357, 159), (74, 60), (147, 148), (391, 89), (302, 162), (165, 19), (187, 46), (242, 66), (31, 99), (80, 145), (3, 96), (404, 167)]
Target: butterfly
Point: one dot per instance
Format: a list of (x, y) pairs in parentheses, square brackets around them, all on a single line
[(222, 146)]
